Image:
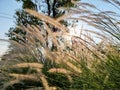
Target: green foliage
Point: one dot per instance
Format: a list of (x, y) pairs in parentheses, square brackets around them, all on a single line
[(28, 4), (104, 76), (50, 8), (112, 66)]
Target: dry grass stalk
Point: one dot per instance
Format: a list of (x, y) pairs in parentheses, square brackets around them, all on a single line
[(19, 36), (47, 19), (31, 40), (65, 16), (44, 82), (51, 35), (53, 88), (17, 44), (24, 65), (97, 33), (62, 71), (23, 28), (69, 77), (36, 33), (36, 29), (54, 57), (48, 29), (73, 67), (59, 70), (24, 77), (72, 57), (32, 32)]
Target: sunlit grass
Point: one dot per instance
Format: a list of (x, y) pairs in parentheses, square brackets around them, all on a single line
[(82, 65)]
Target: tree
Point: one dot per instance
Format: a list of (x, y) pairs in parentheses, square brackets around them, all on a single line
[(48, 7)]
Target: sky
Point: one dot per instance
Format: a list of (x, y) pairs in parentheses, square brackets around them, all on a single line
[(3, 47), (7, 10)]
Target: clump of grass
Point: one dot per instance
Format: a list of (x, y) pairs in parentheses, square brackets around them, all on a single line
[(80, 66)]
